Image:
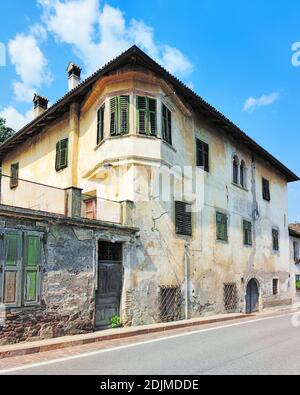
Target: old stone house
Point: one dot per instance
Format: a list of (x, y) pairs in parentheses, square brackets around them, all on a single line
[(122, 152)]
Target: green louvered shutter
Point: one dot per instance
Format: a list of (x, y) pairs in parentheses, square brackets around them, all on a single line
[(61, 161), (166, 124), (123, 115), (11, 267), (183, 218), (147, 115), (100, 124), (152, 117), (142, 114), (113, 116), (222, 227), (32, 268)]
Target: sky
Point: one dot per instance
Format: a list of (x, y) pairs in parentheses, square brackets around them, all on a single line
[(242, 56)]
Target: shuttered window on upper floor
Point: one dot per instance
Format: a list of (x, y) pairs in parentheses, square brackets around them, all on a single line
[(183, 218), (202, 155), (222, 227), (266, 189), (119, 115), (166, 124), (275, 239), (62, 154), (247, 229), (147, 115), (100, 124), (14, 175)]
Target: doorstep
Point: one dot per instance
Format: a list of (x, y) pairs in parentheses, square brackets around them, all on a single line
[(110, 334)]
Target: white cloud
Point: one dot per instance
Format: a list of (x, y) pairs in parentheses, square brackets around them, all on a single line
[(97, 34), (252, 103), (15, 119), (30, 64)]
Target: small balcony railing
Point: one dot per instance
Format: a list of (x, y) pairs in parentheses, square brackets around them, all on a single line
[(24, 194)]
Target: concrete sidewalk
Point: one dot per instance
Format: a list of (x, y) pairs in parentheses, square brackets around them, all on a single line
[(110, 334), (123, 333)]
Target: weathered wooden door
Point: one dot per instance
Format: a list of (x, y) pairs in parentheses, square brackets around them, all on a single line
[(110, 282), (252, 297)]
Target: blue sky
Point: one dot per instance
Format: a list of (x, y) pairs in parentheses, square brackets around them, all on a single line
[(236, 54)]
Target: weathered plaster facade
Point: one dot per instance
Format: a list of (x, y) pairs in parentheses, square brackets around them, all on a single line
[(69, 268), (121, 169)]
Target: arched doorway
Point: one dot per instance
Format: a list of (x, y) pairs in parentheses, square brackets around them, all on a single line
[(252, 297)]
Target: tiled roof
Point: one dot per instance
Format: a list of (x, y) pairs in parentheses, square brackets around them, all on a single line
[(134, 55), (294, 230)]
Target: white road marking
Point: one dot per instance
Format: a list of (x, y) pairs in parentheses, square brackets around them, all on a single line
[(91, 354)]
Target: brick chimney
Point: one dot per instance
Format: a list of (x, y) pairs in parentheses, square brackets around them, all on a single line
[(40, 105), (74, 73)]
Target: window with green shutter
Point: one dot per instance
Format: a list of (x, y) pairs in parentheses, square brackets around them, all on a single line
[(275, 239), (147, 115), (119, 115), (222, 227), (20, 268), (62, 155), (32, 262), (183, 218), (14, 175), (247, 228), (11, 245), (202, 155), (100, 124), (166, 124)]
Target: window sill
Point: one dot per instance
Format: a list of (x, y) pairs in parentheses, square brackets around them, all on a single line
[(167, 144), (225, 242), (112, 138), (240, 187)]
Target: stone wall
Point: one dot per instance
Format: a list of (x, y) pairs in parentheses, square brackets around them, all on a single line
[(67, 305)]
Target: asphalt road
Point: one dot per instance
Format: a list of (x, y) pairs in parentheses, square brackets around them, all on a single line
[(266, 346)]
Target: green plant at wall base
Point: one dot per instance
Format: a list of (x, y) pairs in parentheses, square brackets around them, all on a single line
[(116, 322), (298, 285)]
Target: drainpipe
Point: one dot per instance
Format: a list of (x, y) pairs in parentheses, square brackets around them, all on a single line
[(186, 268)]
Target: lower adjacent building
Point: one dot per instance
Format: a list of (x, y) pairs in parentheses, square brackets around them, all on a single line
[(294, 230)]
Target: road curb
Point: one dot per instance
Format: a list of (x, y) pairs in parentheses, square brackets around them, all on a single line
[(61, 343)]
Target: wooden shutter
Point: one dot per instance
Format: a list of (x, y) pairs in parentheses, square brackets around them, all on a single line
[(247, 233), (183, 218), (266, 189), (124, 115), (147, 115), (11, 268), (14, 180), (167, 124), (152, 105), (275, 236), (202, 155), (100, 124), (113, 116), (32, 268), (222, 224), (62, 154), (142, 114), (235, 170)]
